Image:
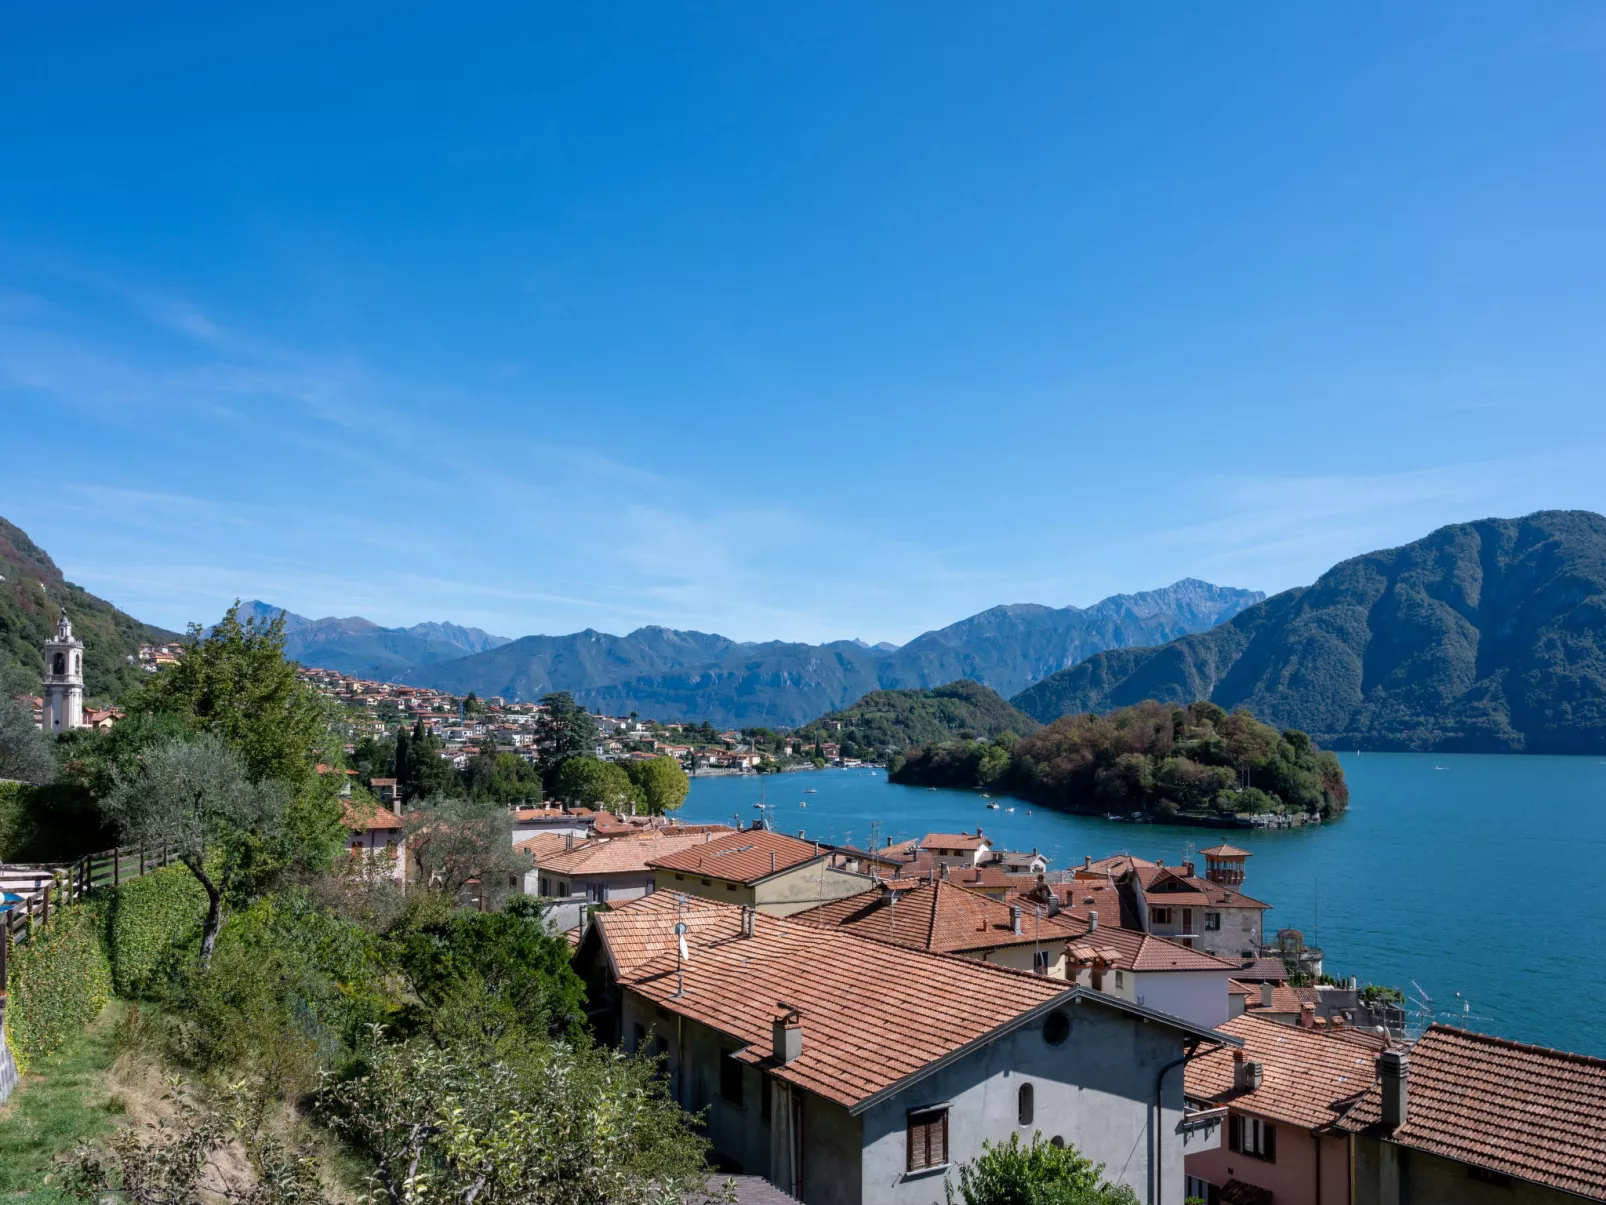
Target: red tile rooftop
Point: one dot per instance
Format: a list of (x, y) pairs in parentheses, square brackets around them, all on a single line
[(369, 817), (873, 1014), (743, 857), (1307, 1077), (1225, 851), (1524, 1111), (939, 917)]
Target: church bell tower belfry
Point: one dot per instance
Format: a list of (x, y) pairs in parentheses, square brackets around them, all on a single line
[(64, 679)]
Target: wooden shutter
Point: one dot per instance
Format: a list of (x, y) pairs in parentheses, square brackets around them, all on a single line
[(928, 1139), (1268, 1141), (1235, 1132)]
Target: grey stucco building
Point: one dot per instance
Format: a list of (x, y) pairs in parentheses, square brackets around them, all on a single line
[(847, 1070)]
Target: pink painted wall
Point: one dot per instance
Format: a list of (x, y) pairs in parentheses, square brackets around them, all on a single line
[(1292, 1179)]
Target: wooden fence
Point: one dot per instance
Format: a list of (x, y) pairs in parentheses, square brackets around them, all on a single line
[(46, 887)]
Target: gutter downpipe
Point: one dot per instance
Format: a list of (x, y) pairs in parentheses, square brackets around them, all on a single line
[(1190, 1051)]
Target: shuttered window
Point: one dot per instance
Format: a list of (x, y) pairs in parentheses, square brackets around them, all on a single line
[(730, 1078), (928, 1139), (1253, 1137)]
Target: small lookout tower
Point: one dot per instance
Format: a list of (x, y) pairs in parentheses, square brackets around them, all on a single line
[(64, 679), (1224, 864)]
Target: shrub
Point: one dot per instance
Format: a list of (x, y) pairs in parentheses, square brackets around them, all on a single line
[(153, 924), (60, 981)]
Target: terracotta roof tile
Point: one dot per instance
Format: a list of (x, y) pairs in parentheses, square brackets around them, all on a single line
[(368, 817), (618, 855), (744, 857), (1225, 851), (879, 1015), (1146, 952), (961, 841), (1526, 1111), (939, 917), (543, 843), (1307, 1077), (1285, 999)]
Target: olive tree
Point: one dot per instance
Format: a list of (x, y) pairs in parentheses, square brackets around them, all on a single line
[(25, 752), (455, 841), (195, 796)]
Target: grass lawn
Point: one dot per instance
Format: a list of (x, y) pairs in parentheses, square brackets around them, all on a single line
[(63, 1101)]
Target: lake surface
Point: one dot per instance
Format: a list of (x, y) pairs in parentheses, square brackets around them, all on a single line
[(1467, 874)]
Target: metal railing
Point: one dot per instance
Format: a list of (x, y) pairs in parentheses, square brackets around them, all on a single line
[(31, 894)]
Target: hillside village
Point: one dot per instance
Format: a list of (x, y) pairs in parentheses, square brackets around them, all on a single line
[(853, 1024)]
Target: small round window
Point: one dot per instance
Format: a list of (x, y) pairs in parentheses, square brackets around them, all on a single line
[(1056, 1029), (1058, 1141)]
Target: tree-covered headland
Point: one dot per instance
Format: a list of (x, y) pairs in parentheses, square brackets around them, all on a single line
[(1198, 761)]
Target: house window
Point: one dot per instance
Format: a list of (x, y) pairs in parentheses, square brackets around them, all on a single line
[(706, 883), (680, 878), (1193, 1188), (1253, 1137), (640, 1033), (763, 1097), (1056, 1029), (1120, 980), (1487, 1175), (1023, 1104), (1041, 961), (730, 1079), (598, 893), (1161, 916), (928, 1139), (730, 886), (1212, 922)]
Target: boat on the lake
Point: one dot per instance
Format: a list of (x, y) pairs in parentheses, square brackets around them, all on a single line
[(993, 806)]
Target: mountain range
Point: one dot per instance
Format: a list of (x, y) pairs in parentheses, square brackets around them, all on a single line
[(670, 674), (361, 647), (1481, 637)]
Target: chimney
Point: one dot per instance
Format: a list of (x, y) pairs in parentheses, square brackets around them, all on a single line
[(1188, 866), (1247, 1075), (772, 861), (1087, 861), (1307, 1015), (1014, 919), (786, 1031), (1392, 1066), (568, 841), (1092, 922), (1265, 995), (747, 920)]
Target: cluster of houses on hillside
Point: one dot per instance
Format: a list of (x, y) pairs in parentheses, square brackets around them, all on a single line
[(854, 1023)]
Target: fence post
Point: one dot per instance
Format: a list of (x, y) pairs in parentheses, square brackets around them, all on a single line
[(117, 865), (44, 915), (142, 859), (5, 943)]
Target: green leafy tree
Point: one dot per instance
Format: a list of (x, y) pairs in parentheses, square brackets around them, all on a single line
[(235, 683), (1038, 1173), (590, 782), (198, 797), (25, 752), (662, 782), (454, 841), (504, 776)]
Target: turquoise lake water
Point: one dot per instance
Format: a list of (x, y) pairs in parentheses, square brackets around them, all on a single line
[(1469, 874)]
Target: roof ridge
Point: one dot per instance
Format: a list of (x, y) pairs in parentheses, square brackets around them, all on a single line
[(1511, 1044)]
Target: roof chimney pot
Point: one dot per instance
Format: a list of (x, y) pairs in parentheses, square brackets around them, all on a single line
[(786, 1033), (1092, 922), (1247, 1075), (1014, 919), (1265, 995), (1392, 1069)]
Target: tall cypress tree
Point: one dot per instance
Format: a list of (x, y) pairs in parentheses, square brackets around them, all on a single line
[(403, 760)]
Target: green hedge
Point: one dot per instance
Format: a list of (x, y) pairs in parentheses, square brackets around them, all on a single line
[(60, 981), (153, 924), (10, 819)]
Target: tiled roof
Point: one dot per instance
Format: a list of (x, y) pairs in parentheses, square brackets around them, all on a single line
[(1526, 1111), (1080, 898), (939, 917), (543, 843), (743, 857), (619, 855), (1144, 952), (1257, 970), (872, 1014), (1117, 865), (964, 841), (1234, 988), (1307, 1077), (1285, 999), (1225, 851), (541, 813), (368, 817)]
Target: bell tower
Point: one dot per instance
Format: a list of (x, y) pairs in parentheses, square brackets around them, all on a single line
[(64, 679)]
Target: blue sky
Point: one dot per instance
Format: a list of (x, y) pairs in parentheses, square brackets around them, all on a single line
[(787, 321)]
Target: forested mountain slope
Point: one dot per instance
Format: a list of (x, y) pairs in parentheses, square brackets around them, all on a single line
[(1481, 636)]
